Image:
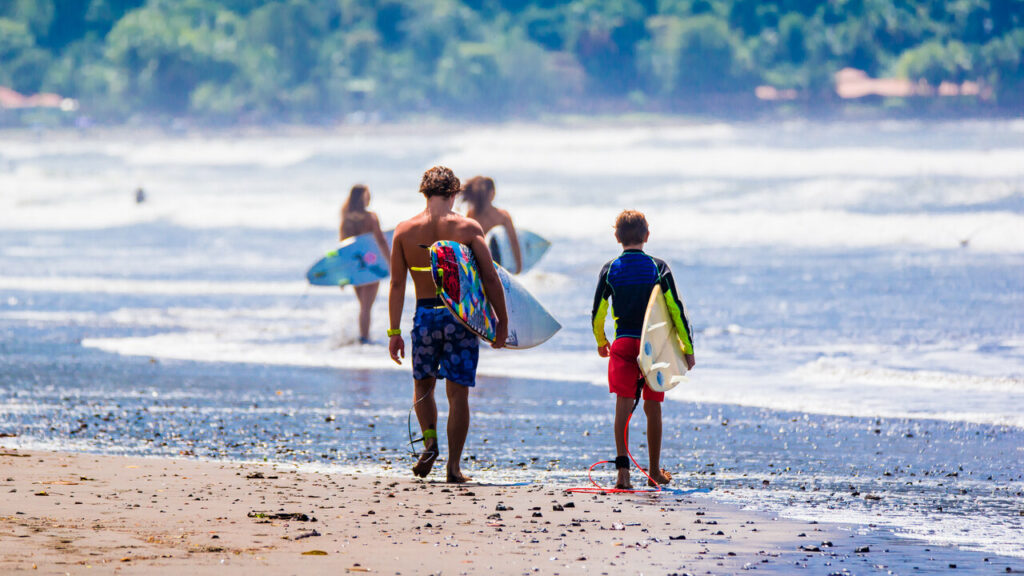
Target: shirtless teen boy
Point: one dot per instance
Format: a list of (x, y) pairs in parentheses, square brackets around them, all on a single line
[(441, 346)]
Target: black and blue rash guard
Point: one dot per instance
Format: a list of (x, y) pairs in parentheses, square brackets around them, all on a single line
[(626, 283)]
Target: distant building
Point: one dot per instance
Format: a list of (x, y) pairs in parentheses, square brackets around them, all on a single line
[(773, 93), (851, 83), (13, 100)]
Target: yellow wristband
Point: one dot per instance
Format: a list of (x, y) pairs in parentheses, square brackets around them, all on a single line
[(394, 332)]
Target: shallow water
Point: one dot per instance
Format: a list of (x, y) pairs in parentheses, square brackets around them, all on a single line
[(856, 292), (943, 482)]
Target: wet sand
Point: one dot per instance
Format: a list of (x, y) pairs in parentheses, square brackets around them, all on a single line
[(80, 513), (67, 513)]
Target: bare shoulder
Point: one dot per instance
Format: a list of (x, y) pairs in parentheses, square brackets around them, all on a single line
[(467, 229), (403, 228), (506, 218)]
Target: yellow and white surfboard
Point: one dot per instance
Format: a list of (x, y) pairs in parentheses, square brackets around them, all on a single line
[(662, 360)]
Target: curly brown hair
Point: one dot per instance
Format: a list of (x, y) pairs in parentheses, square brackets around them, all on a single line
[(631, 227), (439, 181)]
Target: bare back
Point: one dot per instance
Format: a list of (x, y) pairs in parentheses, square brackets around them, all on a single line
[(409, 255), (356, 223), (489, 217), (415, 234)]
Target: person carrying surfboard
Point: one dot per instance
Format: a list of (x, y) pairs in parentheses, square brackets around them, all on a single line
[(478, 192), (626, 284), (442, 347), (356, 220)]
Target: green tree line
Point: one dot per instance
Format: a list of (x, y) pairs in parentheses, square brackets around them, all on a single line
[(319, 60)]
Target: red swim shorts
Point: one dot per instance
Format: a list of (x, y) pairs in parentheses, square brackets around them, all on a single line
[(624, 372)]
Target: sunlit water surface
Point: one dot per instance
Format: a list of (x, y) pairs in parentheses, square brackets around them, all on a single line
[(856, 290)]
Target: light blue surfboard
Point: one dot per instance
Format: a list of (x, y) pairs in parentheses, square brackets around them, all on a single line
[(355, 262), (531, 246), (457, 277)]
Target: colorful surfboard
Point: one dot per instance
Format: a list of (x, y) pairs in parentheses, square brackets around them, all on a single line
[(531, 247), (662, 360), (355, 262), (457, 277)]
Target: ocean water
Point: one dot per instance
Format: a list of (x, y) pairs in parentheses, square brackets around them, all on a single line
[(857, 293)]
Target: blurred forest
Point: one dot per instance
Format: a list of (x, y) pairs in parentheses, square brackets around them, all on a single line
[(258, 61)]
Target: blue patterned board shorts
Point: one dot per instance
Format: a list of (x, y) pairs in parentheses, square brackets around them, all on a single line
[(443, 348)]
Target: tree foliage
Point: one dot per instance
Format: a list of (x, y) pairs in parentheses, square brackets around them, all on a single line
[(322, 60)]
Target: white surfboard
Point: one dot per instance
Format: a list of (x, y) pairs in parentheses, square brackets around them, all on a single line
[(458, 280), (529, 323), (531, 246), (662, 360)]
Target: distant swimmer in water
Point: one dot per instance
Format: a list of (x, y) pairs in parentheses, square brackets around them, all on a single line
[(140, 195), (442, 347), (356, 220), (478, 192)]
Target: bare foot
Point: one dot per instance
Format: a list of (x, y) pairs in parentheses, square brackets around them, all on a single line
[(426, 461), (458, 477), (662, 478), (623, 483)]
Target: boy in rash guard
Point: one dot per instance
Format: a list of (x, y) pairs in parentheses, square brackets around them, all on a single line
[(627, 282)]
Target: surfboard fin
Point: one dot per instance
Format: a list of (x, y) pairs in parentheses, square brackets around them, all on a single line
[(659, 365), (656, 326)]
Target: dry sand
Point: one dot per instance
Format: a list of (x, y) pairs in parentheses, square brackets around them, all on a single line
[(66, 513)]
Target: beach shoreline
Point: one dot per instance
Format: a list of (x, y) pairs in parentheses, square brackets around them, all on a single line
[(822, 263), (77, 513)]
